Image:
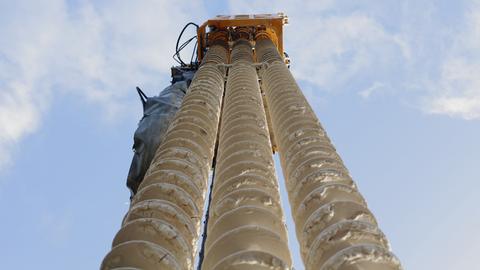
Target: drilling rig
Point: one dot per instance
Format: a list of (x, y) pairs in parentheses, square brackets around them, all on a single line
[(238, 105)]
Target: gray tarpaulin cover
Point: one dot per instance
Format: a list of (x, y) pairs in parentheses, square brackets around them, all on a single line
[(158, 111)]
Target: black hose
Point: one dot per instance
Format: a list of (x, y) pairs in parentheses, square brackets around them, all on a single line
[(178, 48)]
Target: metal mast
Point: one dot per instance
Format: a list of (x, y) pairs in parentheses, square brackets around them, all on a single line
[(161, 228), (334, 227), (246, 228), (247, 223)]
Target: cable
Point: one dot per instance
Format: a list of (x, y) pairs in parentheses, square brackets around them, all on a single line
[(201, 253), (178, 48), (194, 53)]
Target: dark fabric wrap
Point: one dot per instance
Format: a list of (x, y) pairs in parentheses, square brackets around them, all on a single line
[(158, 112)]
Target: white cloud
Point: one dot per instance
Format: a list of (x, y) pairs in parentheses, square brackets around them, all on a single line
[(466, 107), (346, 48), (457, 92), (97, 52), (375, 87), (333, 46), (100, 51), (427, 51)]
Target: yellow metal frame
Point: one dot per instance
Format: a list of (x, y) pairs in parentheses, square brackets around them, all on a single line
[(268, 25)]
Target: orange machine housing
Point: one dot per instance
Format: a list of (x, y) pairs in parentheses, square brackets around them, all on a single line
[(251, 27)]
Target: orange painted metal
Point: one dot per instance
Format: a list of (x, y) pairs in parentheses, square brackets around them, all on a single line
[(270, 25)]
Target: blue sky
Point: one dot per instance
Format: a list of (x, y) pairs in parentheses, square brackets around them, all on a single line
[(396, 84)]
